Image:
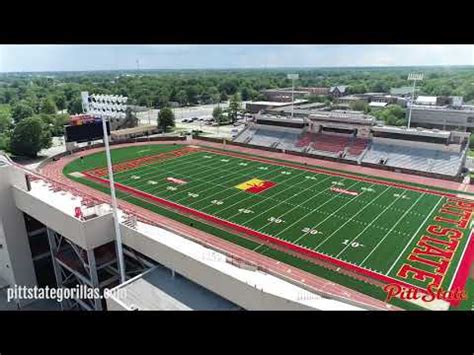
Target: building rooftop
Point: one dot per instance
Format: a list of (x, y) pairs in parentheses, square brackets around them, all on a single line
[(426, 100), (378, 104), (277, 103), (414, 131), (158, 290), (404, 90)]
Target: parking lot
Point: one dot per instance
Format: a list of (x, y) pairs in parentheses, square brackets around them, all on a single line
[(201, 114)]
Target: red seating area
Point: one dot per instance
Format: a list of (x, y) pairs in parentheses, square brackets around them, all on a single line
[(358, 146), (305, 140), (330, 143)]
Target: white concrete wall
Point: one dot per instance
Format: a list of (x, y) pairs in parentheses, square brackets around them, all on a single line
[(16, 264), (87, 234), (226, 286)]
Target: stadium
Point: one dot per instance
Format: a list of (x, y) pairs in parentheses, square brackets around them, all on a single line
[(321, 212)]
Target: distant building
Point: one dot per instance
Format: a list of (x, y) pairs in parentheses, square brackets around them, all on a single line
[(441, 117), (338, 91), (285, 94), (426, 100), (375, 105), (351, 99), (257, 106), (403, 91)]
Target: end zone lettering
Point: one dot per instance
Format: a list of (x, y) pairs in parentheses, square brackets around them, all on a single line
[(435, 249)]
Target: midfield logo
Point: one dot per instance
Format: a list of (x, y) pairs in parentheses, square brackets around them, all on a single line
[(255, 186)]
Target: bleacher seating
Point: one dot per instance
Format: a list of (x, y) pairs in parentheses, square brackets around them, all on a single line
[(357, 146), (305, 140), (330, 143), (428, 160), (376, 152)]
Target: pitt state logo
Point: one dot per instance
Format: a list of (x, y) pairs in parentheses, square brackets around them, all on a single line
[(255, 186)]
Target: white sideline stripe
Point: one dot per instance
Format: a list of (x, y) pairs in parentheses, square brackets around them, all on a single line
[(391, 229), (414, 235), (353, 216), (337, 194), (376, 218)]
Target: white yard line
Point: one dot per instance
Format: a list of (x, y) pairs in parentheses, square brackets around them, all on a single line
[(120, 174), (337, 194), (352, 217), (297, 206), (202, 181), (151, 170), (391, 229), (252, 195), (239, 175), (414, 235), (372, 222), (269, 198), (225, 188)]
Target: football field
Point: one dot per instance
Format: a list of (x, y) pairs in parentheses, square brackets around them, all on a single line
[(392, 232)]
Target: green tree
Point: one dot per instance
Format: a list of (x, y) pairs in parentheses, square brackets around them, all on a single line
[(235, 106), (75, 106), (29, 137), (392, 115), (48, 106), (21, 110), (359, 106), (217, 114), (4, 141), (60, 101), (165, 118), (182, 97), (5, 118)]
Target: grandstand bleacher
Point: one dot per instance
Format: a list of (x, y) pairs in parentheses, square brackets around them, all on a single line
[(420, 159), (410, 150), (331, 143)]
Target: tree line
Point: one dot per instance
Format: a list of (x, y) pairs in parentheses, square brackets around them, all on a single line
[(47, 99)]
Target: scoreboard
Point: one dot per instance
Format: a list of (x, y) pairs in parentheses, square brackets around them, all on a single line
[(85, 131)]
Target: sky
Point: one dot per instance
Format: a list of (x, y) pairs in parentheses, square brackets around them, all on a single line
[(27, 58)]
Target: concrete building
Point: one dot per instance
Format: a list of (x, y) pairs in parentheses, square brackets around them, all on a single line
[(257, 106), (285, 94), (443, 117)]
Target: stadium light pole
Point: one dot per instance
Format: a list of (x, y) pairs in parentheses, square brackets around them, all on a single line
[(292, 77), (414, 77), (105, 109), (118, 234)]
